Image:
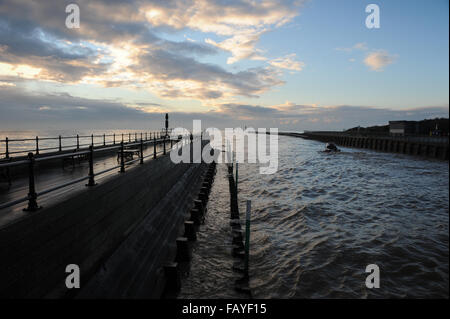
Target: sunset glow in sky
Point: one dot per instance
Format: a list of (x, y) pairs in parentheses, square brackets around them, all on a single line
[(295, 64)]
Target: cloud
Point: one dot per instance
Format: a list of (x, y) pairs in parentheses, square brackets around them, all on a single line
[(310, 117), (31, 110), (377, 60), (361, 46), (241, 22), (288, 62), (241, 46), (184, 76), (118, 44)]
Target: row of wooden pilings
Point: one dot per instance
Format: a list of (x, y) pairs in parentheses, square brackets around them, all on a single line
[(439, 151), (197, 214), (239, 250)]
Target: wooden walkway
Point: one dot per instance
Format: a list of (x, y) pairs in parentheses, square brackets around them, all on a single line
[(47, 178)]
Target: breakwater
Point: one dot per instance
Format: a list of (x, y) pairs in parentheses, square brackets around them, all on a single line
[(417, 146)]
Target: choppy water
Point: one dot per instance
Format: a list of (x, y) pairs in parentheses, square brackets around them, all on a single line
[(322, 218)]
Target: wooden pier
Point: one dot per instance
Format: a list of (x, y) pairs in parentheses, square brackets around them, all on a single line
[(90, 214)]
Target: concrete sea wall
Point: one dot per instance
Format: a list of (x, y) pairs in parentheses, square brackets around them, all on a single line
[(425, 147)]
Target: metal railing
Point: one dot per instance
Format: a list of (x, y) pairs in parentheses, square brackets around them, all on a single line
[(44, 145), (31, 160)]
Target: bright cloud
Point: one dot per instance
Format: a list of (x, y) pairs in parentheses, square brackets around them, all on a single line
[(288, 62), (241, 47), (377, 60), (124, 44)]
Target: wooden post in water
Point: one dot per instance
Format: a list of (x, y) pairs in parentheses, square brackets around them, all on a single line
[(247, 236)]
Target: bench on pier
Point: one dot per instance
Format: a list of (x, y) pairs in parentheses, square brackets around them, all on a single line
[(4, 171), (73, 158), (128, 153)]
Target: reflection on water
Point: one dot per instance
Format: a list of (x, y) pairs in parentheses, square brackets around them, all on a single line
[(322, 218)]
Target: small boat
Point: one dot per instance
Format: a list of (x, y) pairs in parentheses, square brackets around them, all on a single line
[(331, 148)]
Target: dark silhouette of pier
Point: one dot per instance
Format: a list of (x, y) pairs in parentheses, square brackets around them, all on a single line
[(83, 214)]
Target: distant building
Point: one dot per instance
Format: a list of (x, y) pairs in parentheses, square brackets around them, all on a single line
[(403, 127)]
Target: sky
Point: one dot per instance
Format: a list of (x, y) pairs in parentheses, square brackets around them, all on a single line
[(292, 65)]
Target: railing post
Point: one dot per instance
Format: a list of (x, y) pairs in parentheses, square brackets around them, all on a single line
[(122, 137), (7, 148), (122, 162), (142, 152), (78, 142), (91, 167), (146, 136), (154, 146), (135, 137), (92, 140), (164, 145), (60, 146), (141, 136), (104, 139), (114, 138), (129, 137), (37, 145), (32, 196)]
